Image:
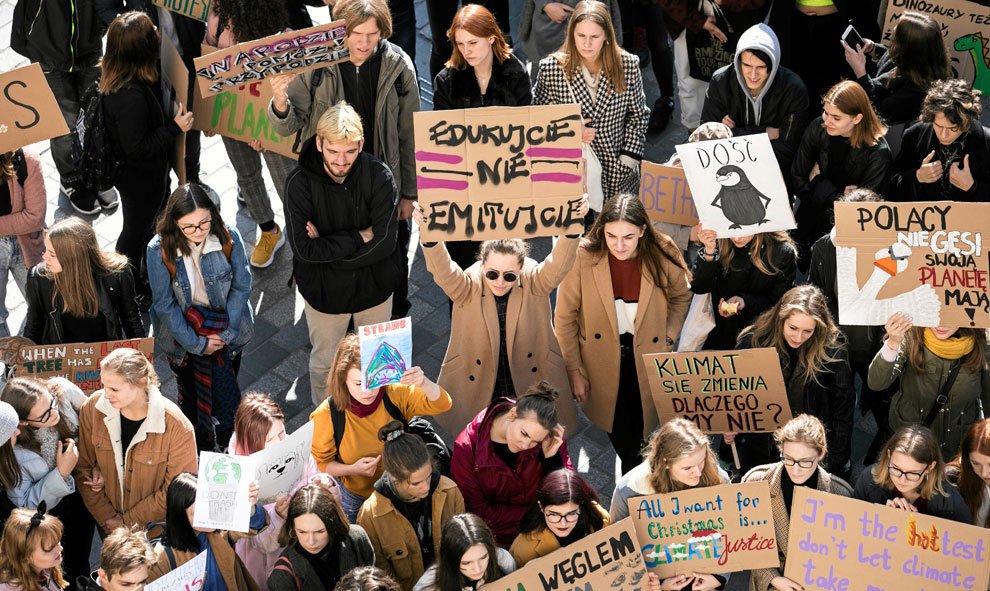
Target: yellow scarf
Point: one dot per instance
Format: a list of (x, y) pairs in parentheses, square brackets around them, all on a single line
[(951, 348)]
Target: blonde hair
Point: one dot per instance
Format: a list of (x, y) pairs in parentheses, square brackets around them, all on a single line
[(131, 365), (125, 549), (19, 543), (356, 12), (611, 56), (83, 264), (805, 429), (340, 124), (675, 440)]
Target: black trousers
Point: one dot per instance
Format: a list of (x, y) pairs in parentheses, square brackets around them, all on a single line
[(628, 440), (77, 537), (142, 197), (649, 15)]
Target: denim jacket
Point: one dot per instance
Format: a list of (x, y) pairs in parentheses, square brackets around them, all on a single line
[(228, 287)]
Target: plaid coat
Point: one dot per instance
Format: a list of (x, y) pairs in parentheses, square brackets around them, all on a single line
[(619, 119)]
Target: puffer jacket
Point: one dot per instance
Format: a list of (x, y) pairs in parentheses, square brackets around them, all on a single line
[(58, 34), (458, 89)]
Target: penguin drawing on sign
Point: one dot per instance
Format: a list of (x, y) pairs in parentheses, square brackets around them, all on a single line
[(740, 202)]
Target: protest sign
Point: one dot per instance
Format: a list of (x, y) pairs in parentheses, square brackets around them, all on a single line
[(222, 492), (251, 61), (665, 194), (175, 89), (713, 529), (965, 29), (77, 362), (194, 9), (925, 259), (386, 352), (739, 391), (28, 110), (187, 577), (606, 559), (279, 468), (841, 543), (737, 186), (499, 172)]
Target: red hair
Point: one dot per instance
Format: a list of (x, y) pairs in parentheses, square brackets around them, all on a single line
[(253, 420), (480, 22), (970, 485)]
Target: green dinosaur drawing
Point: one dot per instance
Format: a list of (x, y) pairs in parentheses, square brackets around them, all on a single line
[(977, 47)]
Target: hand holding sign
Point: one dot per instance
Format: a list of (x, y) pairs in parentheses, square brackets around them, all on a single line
[(280, 90), (896, 327), (184, 119)]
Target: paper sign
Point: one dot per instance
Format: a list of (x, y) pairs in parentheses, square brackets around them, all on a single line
[(222, 492), (175, 89), (926, 259), (386, 352), (28, 110), (713, 529), (188, 577), (606, 559), (500, 172), (77, 362), (665, 194), (194, 9), (841, 543), (279, 468), (738, 391), (295, 51), (737, 185), (965, 28)]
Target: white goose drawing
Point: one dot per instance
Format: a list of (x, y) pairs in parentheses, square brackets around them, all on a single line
[(859, 306)]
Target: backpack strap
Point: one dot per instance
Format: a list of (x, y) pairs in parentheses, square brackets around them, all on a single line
[(20, 167), (339, 422), (285, 565), (393, 410), (170, 553)]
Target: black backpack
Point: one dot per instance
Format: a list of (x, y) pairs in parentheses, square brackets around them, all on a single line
[(418, 426), (20, 167), (93, 157)]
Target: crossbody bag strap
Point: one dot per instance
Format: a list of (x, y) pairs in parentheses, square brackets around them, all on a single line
[(943, 394)]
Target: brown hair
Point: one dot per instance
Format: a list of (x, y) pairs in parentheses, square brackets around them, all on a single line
[(7, 166), (356, 12), (347, 357), (917, 50), (510, 246), (402, 453), (973, 362), (317, 500), (125, 549), (132, 52), (367, 578), (920, 445), (183, 201), (805, 429), (850, 98), (480, 22), (972, 488), (540, 403), (675, 440), (253, 419), (761, 250), (611, 56), (23, 394), (18, 544), (956, 100), (131, 365), (82, 262)]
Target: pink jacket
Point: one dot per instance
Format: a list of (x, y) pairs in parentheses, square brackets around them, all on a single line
[(28, 204)]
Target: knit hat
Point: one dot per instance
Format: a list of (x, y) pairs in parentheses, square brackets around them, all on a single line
[(8, 422)]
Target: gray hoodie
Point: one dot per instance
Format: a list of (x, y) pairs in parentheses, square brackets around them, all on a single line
[(761, 37)]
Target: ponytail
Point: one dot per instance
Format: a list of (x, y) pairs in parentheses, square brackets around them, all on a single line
[(541, 401)]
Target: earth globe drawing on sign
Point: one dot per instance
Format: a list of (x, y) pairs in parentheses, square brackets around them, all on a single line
[(223, 471)]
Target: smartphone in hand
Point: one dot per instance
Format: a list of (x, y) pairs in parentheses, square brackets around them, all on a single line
[(852, 37)]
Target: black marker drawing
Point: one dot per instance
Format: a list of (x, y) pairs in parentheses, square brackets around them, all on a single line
[(740, 202)]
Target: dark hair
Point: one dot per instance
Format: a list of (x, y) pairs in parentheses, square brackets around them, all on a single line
[(252, 19), (367, 578), (317, 500), (970, 485), (179, 533), (458, 535), (956, 100), (132, 52), (402, 453), (540, 401), (762, 56), (559, 488), (917, 50), (183, 201)]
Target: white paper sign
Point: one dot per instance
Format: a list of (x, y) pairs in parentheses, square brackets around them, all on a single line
[(386, 352), (737, 186), (222, 492), (188, 577), (279, 468)]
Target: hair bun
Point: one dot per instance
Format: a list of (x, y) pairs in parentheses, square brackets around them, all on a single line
[(543, 390), (391, 431)]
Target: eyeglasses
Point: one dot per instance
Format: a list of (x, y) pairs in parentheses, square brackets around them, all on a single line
[(48, 413), (806, 463), (554, 517), (203, 225), (493, 275), (896, 472)]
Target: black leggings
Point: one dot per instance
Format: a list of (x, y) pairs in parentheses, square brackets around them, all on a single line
[(628, 440), (649, 15), (77, 538), (142, 196), (441, 14)]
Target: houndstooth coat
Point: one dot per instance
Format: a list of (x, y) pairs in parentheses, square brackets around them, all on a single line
[(619, 119)]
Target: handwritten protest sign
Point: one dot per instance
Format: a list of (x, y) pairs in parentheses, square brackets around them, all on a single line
[(841, 543), (279, 468), (665, 194), (222, 492), (499, 172), (77, 362), (965, 28), (386, 352), (175, 88), (737, 186), (28, 110), (925, 259), (606, 559), (720, 391), (295, 51), (188, 577), (714, 529), (194, 9)]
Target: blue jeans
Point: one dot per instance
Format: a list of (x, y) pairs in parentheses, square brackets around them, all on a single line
[(350, 502), (11, 263)]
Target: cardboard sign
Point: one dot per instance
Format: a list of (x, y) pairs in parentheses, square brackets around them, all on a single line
[(926, 259), (841, 543), (279, 468), (77, 362), (965, 28), (386, 352), (194, 9), (294, 51), (714, 529), (188, 577), (222, 492), (665, 194), (737, 185), (175, 90), (606, 559), (499, 172), (738, 391), (28, 110)]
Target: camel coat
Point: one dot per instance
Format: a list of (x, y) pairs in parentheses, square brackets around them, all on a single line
[(469, 367), (588, 331)]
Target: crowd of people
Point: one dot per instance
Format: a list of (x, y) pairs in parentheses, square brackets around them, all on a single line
[(386, 503)]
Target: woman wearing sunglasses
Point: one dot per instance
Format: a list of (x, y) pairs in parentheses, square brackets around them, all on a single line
[(501, 338), (910, 475)]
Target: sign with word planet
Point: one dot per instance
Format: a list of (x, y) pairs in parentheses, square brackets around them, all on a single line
[(77, 362), (926, 259), (606, 559), (841, 543), (28, 110), (740, 391), (713, 529), (499, 172), (666, 195)]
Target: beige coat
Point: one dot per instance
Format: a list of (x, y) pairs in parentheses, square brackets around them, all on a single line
[(588, 331), (469, 367)]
